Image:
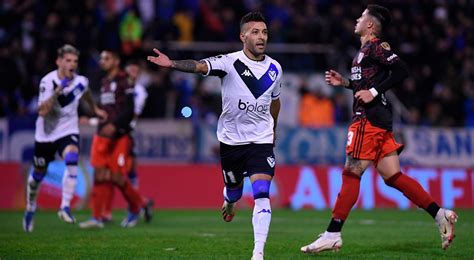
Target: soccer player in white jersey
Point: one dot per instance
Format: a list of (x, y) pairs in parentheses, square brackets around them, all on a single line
[(57, 130), (251, 83)]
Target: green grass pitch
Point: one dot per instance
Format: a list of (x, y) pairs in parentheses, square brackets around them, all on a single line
[(201, 234)]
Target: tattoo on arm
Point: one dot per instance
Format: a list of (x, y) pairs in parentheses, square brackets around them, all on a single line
[(185, 65)]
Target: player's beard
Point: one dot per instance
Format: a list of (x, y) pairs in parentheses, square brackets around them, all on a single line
[(256, 51)]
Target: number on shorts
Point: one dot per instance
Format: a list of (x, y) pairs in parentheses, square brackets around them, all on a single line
[(121, 160), (39, 161), (350, 135), (229, 177)]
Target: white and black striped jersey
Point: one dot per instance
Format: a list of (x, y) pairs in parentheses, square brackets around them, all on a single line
[(62, 119)]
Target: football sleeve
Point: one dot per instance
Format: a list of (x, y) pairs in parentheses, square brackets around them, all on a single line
[(217, 66), (398, 69), (85, 83), (46, 90)]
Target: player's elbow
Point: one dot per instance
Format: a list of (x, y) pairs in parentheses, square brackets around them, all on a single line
[(402, 70), (201, 67)]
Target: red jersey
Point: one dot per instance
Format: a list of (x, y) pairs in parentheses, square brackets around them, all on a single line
[(373, 67), (116, 98)]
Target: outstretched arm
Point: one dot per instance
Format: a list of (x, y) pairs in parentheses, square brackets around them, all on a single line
[(182, 65)]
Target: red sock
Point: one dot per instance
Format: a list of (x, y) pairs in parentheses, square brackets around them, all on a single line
[(132, 196), (98, 191), (347, 196), (108, 200), (411, 189)]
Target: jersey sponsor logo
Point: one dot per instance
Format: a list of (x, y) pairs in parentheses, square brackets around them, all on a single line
[(393, 56), (256, 86), (385, 45), (247, 107), (246, 73), (107, 98), (360, 57), (356, 73), (271, 161)]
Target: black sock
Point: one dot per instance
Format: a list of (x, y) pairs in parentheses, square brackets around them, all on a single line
[(432, 209), (335, 225)]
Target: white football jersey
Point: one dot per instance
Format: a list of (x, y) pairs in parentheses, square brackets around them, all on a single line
[(140, 95), (248, 88), (62, 119)]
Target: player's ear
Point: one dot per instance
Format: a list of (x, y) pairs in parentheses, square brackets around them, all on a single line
[(242, 36), (370, 24), (58, 59)]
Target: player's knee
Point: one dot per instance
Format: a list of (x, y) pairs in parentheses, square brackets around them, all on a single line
[(71, 158), (232, 195), (118, 179), (353, 174), (261, 189), (38, 174)]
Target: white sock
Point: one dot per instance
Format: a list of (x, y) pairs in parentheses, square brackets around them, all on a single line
[(262, 215), (31, 191), (332, 235), (69, 185)]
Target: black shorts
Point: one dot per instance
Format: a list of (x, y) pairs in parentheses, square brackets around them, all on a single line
[(45, 152), (239, 161)]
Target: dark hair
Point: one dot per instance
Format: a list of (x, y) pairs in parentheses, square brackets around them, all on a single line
[(133, 62), (112, 51), (380, 13), (252, 17), (67, 48)]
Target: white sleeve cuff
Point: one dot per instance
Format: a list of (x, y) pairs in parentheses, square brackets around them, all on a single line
[(209, 67), (374, 92)]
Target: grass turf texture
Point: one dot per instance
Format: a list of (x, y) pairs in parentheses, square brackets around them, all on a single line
[(202, 234)]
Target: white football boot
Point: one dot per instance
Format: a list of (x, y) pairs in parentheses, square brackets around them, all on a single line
[(446, 219), (326, 241), (65, 215), (91, 223), (28, 221)]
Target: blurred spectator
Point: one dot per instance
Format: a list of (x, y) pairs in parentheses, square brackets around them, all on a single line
[(316, 109), (130, 32), (439, 50)]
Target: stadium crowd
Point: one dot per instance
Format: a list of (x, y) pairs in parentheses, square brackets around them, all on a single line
[(436, 38)]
